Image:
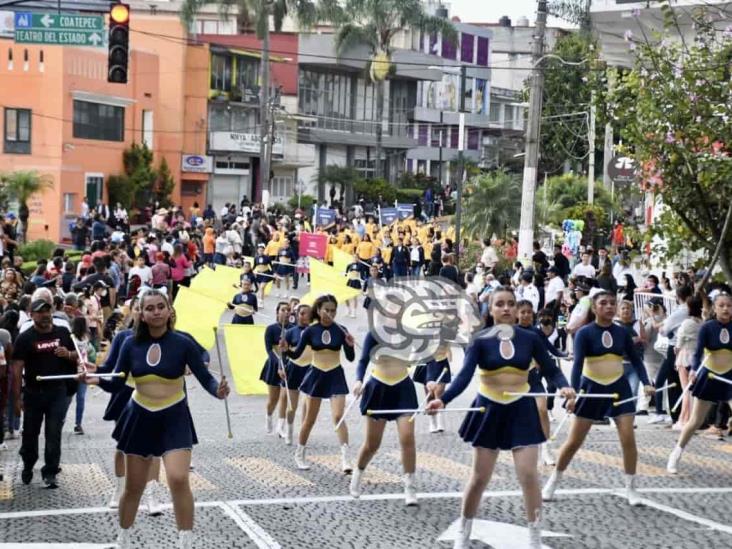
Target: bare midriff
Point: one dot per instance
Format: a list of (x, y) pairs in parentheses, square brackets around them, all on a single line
[(719, 361), (305, 359), (603, 369), (494, 384), (155, 392), (390, 370)]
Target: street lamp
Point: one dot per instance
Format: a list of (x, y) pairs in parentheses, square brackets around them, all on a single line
[(462, 71)]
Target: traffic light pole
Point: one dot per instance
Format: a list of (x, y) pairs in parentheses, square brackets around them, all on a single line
[(264, 108)]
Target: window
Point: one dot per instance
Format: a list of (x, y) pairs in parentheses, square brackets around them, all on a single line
[(190, 189), (17, 131), (98, 121), (466, 47), (247, 72), (69, 202), (403, 97), (220, 72), (494, 112), (364, 167), (147, 128), (283, 185), (482, 54), (326, 96)]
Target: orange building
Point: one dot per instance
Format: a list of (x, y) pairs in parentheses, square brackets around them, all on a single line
[(61, 118)]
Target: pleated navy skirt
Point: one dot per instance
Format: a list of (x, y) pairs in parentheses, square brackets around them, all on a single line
[(320, 384), (269, 373), (380, 396), (432, 370), (117, 403), (141, 432), (503, 426), (712, 390), (599, 408), (295, 375)]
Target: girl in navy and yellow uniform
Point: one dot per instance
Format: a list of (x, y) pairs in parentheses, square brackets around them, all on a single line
[(262, 270), (503, 356), (325, 379), (248, 274), (295, 370), (285, 268), (712, 358), (244, 304), (599, 349), (437, 367), (156, 422), (353, 280), (273, 368), (389, 387)]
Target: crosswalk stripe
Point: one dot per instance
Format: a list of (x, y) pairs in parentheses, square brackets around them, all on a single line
[(692, 459), (373, 475), (443, 466), (616, 462), (267, 472)]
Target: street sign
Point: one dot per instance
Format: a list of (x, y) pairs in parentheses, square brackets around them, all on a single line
[(622, 169), (63, 29)]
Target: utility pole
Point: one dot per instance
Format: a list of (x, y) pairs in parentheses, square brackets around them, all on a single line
[(591, 153), (264, 106), (461, 162), (442, 129), (531, 159)]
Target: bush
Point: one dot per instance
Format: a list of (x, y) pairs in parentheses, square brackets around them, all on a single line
[(119, 189), (370, 189), (469, 256), (408, 195), (306, 203), (38, 249)]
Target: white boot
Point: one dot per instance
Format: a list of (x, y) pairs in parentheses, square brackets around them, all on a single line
[(300, 461), (124, 539), (433, 424), (410, 490), (185, 539), (268, 424), (547, 494), (439, 421), (355, 487), (633, 496), (462, 539), (345, 462), (535, 532), (114, 501), (546, 455), (153, 509), (281, 428), (290, 429), (673, 460)]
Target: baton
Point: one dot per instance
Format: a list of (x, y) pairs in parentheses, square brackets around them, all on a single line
[(427, 396), (557, 395), (631, 399), (76, 376), (221, 369), (418, 411)]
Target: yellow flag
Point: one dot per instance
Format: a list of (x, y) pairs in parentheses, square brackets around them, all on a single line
[(324, 279), (326, 272), (197, 314), (341, 260), (228, 275), (216, 286), (246, 353)]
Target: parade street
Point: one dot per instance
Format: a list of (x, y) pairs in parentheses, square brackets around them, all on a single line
[(249, 494)]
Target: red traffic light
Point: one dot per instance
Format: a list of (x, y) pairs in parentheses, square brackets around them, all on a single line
[(119, 14)]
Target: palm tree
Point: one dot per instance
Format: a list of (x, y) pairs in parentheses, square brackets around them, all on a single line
[(256, 14), (374, 24), (492, 204), (21, 185)]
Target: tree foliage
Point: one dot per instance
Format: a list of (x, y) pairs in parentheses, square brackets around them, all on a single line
[(21, 185), (141, 184), (675, 109), (492, 204)]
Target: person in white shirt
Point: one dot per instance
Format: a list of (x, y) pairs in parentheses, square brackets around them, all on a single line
[(489, 257), (585, 268), (141, 270), (528, 291), (234, 238), (554, 289)]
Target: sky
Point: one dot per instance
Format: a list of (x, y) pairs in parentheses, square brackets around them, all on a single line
[(490, 11)]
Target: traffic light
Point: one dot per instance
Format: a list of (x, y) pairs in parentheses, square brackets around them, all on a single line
[(119, 43)]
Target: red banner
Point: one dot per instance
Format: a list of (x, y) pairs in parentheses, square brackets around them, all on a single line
[(313, 245)]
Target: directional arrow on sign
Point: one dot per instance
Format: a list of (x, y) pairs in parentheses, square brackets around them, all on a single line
[(499, 535), (95, 39), (47, 20)]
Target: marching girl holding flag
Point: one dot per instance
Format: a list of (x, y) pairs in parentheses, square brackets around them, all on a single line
[(504, 419), (325, 379)]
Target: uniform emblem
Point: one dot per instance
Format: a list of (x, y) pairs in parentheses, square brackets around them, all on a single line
[(506, 349), (724, 336), (607, 340), (154, 354), (325, 337)]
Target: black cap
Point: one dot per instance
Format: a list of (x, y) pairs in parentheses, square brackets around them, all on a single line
[(552, 269), (40, 305)]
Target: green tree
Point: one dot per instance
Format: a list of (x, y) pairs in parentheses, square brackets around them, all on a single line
[(164, 184), (141, 183), (343, 178), (674, 110), (375, 24), (21, 185), (492, 204)]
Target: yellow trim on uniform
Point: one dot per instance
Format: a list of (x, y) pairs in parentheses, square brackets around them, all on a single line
[(305, 359), (382, 374), (326, 359), (157, 404), (262, 268), (502, 370), (589, 368), (719, 361), (354, 275), (152, 378), (498, 395)]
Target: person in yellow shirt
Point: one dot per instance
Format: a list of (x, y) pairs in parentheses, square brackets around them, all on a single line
[(332, 243), (371, 228), (273, 247), (365, 249), (348, 246)]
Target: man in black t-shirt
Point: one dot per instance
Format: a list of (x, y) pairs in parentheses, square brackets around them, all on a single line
[(45, 349), (109, 298)]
